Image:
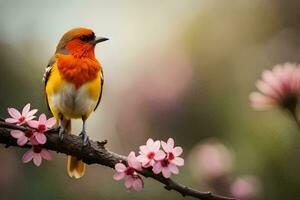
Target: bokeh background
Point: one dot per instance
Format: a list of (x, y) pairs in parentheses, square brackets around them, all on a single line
[(173, 68)]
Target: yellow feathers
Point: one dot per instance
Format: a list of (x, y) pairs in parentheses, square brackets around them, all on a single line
[(64, 98)]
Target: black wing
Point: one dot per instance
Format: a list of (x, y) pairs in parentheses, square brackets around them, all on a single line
[(101, 82), (47, 75)]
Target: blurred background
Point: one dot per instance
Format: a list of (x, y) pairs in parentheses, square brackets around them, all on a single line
[(181, 69)]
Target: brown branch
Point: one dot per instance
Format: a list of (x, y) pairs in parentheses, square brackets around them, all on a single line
[(97, 154)]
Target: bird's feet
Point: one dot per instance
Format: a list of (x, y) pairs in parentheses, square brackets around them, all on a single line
[(85, 138), (61, 133)]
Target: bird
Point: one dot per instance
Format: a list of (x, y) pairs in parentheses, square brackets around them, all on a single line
[(73, 83)]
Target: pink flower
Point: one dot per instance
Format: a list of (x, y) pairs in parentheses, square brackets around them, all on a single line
[(41, 126), (18, 118), (132, 179), (169, 164), (36, 153), (150, 153), (245, 188), (211, 160), (278, 87), (23, 137)]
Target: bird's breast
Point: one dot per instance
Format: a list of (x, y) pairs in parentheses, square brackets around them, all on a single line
[(73, 102), (77, 70)]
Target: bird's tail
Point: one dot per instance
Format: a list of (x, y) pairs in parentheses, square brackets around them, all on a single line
[(75, 167)]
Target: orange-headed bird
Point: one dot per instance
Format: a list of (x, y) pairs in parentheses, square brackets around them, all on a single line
[(73, 85)]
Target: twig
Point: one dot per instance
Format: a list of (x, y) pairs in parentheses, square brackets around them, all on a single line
[(295, 118), (97, 154)]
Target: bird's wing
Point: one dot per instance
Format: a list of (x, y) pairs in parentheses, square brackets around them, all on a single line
[(47, 75), (101, 88)]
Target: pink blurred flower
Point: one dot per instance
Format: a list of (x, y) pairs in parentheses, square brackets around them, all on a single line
[(278, 87), (211, 160), (36, 153), (245, 188), (18, 118), (169, 164), (150, 153), (132, 179), (41, 126), (22, 137)]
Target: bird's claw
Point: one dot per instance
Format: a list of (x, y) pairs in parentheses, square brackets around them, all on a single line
[(61, 133), (85, 138)]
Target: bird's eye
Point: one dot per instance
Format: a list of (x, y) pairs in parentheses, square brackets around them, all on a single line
[(84, 38), (87, 38)]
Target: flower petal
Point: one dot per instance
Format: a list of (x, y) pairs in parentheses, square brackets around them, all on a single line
[(148, 164), (166, 172), (29, 118), (177, 151), (17, 133), (160, 155), (33, 141), (40, 138), (170, 143), (173, 168), (11, 120), (155, 146), (46, 154), (26, 109), (118, 176), (120, 167), (267, 89), (142, 158), (165, 147), (22, 140), (128, 182), (178, 161), (157, 168), (14, 113), (42, 119), (137, 184), (37, 159), (261, 102), (149, 143), (27, 156), (33, 123), (51, 122), (31, 113), (144, 149), (132, 161)]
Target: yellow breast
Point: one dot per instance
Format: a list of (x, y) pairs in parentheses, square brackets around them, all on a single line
[(63, 97)]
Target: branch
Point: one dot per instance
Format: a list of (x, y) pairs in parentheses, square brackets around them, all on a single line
[(97, 154)]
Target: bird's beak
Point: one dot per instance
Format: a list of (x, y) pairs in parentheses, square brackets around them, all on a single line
[(99, 39)]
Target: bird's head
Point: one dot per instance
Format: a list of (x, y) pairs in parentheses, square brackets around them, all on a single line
[(79, 42)]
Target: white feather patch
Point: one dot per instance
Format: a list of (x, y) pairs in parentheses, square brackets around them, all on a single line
[(73, 103)]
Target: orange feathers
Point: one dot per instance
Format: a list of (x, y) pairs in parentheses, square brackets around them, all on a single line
[(77, 70)]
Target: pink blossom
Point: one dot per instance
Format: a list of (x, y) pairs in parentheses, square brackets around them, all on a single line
[(150, 153), (36, 153), (245, 188), (41, 126), (21, 118), (169, 164), (22, 137), (278, 87), (132, 179), (211, 160)]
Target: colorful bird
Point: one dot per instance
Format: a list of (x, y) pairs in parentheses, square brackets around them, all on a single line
[(73, 85)]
